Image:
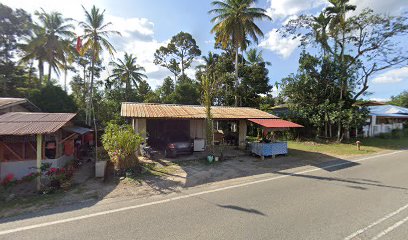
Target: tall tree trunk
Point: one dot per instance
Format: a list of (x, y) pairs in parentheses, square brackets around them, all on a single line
[(65, 78), (84, 88), (49, 73), (127, 89), (236, 77), (182, 66), (91, 91), (30, 73), (330, 130), (41, 71)]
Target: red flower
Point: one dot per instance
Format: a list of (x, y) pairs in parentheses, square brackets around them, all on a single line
[(9, 177)]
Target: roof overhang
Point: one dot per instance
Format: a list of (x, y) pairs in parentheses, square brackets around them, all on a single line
[(276, 124), (26, 123), (175, 111), (77, 129)]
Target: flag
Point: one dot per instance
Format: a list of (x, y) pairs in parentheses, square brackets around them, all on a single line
[(79, 44)]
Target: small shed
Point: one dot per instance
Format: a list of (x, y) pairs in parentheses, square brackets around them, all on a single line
[(272, 148), (29, 139), (159, 120)]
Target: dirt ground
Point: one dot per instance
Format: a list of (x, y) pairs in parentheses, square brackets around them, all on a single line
[(163, 176), (166, 176)]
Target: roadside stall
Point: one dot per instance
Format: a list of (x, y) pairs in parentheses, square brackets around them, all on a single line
[(268, 146)]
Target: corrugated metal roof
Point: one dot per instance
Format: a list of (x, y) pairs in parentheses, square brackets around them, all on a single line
[(389, 111), (151, 110), (8, 102), (275, 123), (76, 129), (25, 123)]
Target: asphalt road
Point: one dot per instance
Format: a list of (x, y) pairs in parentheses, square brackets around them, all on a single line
[(365, 199)]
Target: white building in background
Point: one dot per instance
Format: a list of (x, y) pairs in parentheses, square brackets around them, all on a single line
[(384, 119)]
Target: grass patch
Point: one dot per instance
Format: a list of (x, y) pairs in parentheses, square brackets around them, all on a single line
[(369, 145), (159, 170), (24, 204)]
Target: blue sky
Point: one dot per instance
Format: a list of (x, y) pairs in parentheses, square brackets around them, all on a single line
[(146, 25)]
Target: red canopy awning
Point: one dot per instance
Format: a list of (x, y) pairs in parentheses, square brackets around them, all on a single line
[(275, 123)]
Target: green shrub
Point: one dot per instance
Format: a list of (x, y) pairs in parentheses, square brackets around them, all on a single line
[(122, 144)]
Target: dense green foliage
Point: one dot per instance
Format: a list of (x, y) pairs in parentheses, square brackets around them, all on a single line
[(53, 99), (122, 143), (350, 50), (400, 100), (341, 52), (234, 22)]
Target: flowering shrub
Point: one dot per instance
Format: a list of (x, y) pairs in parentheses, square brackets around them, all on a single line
[(8, 181), (30, 177), (58, 176), (121, 143)]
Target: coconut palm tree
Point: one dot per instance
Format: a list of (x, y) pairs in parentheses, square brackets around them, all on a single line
[(96, 35), (234, 21), (209, 62), (57, 34), (255, 57), (127, 72), (95, 39), (34, 50)]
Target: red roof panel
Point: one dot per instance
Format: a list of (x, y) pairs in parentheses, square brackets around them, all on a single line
[(275, 123)]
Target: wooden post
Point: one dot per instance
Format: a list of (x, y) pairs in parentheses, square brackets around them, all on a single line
[(39, 158)]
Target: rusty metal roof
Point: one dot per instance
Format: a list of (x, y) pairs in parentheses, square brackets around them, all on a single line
[(26, 123), (154, 110), (275, 123), (9, 102)]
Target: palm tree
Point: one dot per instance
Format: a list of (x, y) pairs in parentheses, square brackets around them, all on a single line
[(56, 33), (319, 25), (338, 12), (338, 27), (127, 72), (255, 57), (34, 50), (209, 62), (95, 40), (234, 21)]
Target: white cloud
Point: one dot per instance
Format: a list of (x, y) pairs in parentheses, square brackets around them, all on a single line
[(382, 6), (128, 27), (137, 34), (278, 44), (284, 8), (392, 76), (281, 9)]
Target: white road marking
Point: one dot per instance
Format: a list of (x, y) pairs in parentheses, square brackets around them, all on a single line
[(376, 222), (72, 219), (396, 225)]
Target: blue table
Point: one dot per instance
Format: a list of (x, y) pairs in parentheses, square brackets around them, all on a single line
[(269, 149)]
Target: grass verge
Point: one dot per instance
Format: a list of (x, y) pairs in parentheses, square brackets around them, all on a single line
[(368, 145)]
